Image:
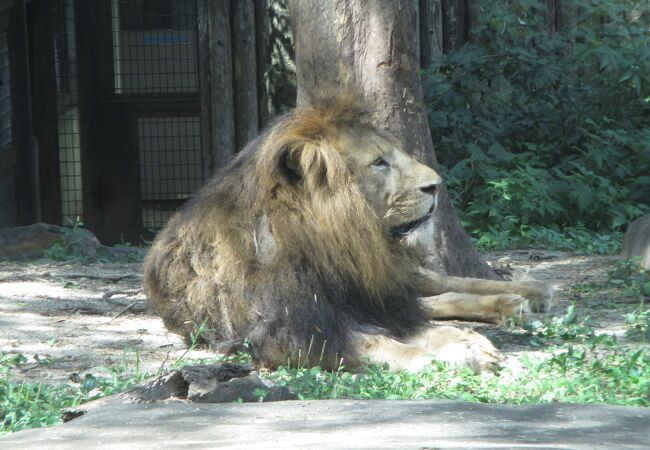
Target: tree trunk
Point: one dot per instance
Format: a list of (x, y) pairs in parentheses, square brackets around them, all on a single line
[(372, 46)]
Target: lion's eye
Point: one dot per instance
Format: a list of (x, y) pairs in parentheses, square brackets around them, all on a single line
[(380, 162)]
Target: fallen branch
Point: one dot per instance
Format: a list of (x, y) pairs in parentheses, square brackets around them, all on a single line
[(125, 309)]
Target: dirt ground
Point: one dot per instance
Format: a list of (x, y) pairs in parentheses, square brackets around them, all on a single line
[(81, 317)]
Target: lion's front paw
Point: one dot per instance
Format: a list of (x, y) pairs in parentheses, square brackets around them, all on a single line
[(469, 349), (539, 293), (509, 305)]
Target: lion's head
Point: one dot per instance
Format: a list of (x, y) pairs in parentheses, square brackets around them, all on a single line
[(333, 145), (299, 239), (402, 191)]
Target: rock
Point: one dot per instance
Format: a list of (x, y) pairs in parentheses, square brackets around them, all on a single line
[(350, 424), (250, 388), (216, 383), (30, 241), (636, 242), (164, 387)]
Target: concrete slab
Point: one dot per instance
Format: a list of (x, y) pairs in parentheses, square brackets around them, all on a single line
[(345, 424)]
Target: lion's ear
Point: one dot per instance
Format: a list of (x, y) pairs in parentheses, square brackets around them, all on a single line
[(316, 165), (288, 166)]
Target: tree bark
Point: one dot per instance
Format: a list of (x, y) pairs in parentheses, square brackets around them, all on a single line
[(430, 17), (216, 81), (371, 45), (454, 22), (262, 31)]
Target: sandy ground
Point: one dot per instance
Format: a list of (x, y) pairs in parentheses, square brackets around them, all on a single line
[(81, 317)]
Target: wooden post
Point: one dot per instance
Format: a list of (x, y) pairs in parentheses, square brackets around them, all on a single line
[(551, 17), (565, 18), (107, 132), (216, 84), (262, 33), (203, 43), (244, 72), (92, 112), (45, 110), (473, 11), (454, 24), (430, 31), (27, 185)]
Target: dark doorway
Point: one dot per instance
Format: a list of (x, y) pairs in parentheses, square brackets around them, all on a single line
[(143, 122), (119, 109)]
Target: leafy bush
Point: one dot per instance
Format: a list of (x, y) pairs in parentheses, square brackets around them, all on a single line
[(633, 282), (543, 133)]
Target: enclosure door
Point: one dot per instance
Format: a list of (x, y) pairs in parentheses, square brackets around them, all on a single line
[(139, 113)]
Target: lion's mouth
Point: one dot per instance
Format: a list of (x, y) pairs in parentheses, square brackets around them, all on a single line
[(405, 229)]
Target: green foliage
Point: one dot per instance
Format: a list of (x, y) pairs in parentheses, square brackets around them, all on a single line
[(26, 404), (70, 248), (67, 248), (29, 405), (638, 324), (585, 374), (574, 239), (632, 281), (560, 329), (281, 76), (628, 276), (574, 364), (544, 134)]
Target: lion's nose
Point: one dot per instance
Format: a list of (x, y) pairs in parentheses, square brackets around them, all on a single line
[(429, 188)]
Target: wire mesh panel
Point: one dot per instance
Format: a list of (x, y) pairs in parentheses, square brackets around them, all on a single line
[(154, 49), (170, 165), (65, 64), (154, 46)]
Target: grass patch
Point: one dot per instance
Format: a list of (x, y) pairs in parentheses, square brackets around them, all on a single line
[(573, 365), (578, 240), (591, 374), (25, 404), (568, 362)]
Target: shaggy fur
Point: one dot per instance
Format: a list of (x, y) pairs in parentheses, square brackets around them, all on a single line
[(281, 248)]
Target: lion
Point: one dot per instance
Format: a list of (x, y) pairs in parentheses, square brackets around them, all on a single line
[(306, 247)]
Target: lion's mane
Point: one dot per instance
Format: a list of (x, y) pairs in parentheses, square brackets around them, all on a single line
[(280, 248)]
